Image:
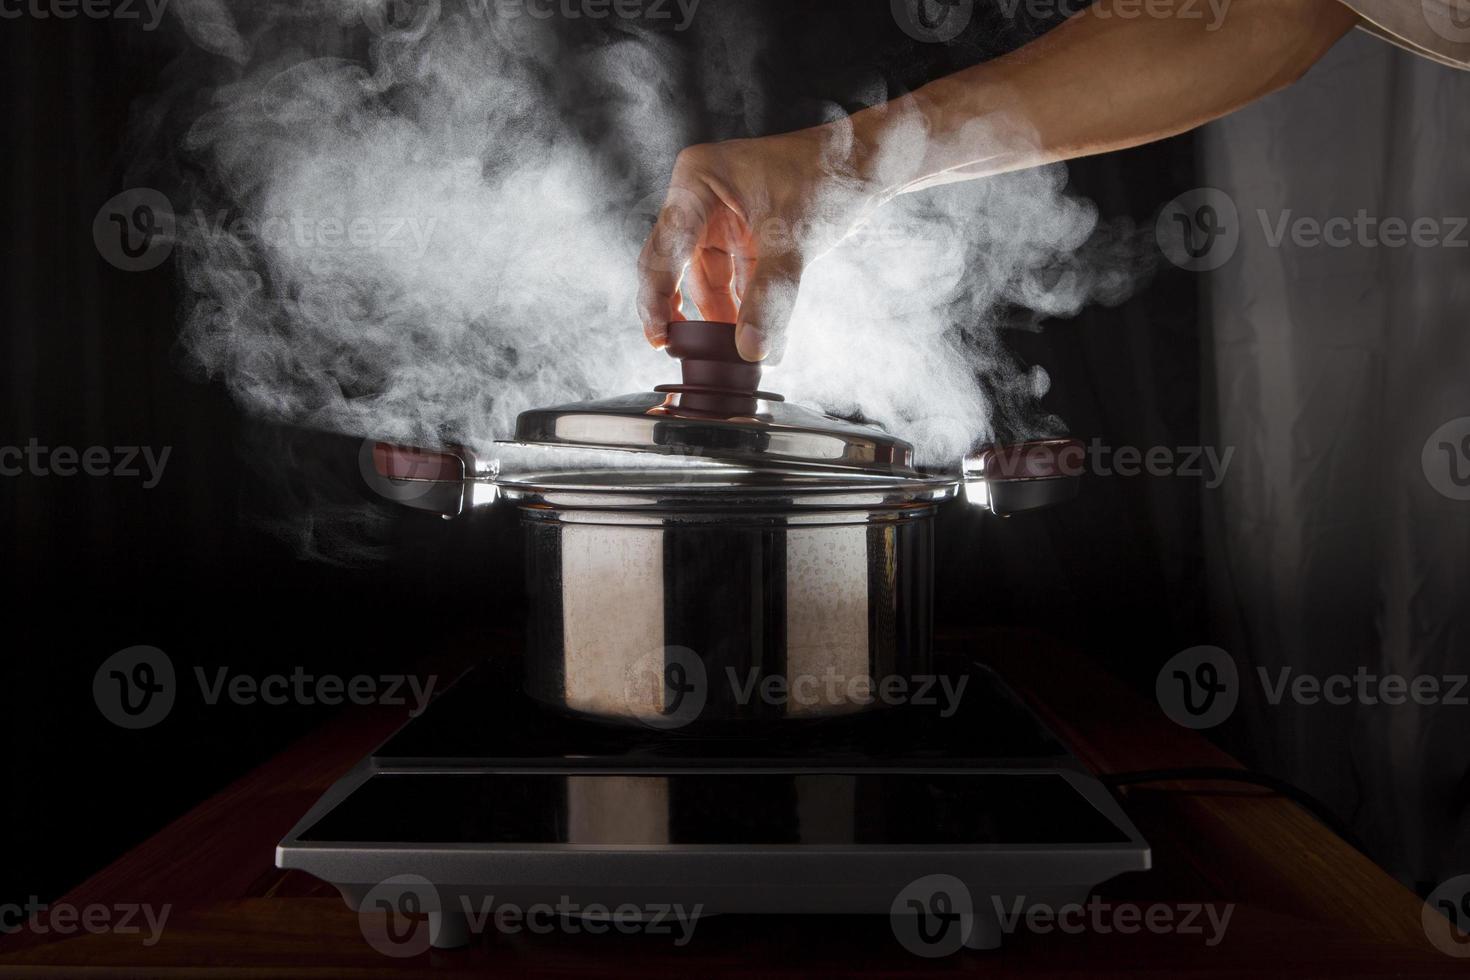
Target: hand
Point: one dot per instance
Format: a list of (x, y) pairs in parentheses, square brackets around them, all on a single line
[(742, 220)]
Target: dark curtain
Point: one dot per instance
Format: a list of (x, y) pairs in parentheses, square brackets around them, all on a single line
[(1340, 544)]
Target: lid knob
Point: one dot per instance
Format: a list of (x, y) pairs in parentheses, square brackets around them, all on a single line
[(717, 380)]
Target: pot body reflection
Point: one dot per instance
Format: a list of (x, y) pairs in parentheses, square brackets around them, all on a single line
[(634, 810), (707, 618)]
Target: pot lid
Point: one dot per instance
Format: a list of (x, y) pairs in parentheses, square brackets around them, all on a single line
[(718, 413)]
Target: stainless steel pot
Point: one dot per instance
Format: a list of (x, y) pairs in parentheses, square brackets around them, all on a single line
[(730, 596), (774, 563)]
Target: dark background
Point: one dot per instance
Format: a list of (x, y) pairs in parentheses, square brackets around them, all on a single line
[(230, 561)]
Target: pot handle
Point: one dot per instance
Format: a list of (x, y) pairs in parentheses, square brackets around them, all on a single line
[(437, 480), (1025, 475)]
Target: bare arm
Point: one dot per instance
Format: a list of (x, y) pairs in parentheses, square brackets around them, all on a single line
[(745, 217), (1108, 79)]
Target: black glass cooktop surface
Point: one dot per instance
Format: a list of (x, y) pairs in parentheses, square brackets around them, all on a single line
[(484, 720), (715, 809), (490, 793)]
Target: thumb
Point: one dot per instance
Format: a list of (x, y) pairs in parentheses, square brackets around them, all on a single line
[(765, 307)]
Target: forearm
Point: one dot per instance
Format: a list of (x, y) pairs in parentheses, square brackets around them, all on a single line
[(1111, 77)]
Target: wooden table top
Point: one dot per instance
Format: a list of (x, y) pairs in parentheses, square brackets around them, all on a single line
[(1305, 902)]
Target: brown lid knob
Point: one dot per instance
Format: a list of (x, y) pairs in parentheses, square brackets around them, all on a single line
[(718, 382), (709, 358)]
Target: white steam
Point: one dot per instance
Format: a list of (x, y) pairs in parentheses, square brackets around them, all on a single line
[(416, 232)]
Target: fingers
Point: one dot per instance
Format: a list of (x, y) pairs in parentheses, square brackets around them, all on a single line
[(656, 329), (765, 311), (708, 283), (744, 268), (664, 257)]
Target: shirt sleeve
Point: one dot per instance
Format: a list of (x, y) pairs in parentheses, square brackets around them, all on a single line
[(1437, 29)]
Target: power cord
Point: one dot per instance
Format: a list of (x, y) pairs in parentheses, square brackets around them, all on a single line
[(1296, 794)]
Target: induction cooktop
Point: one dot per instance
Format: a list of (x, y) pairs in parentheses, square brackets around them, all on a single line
[(488, 795)]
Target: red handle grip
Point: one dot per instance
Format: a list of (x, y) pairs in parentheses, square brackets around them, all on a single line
[(412, 463)]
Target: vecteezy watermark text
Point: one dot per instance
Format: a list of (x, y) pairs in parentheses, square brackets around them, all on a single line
[(62, 919), (1210, 13), (152, 10), (649, 10), (671, 687), (412, 19), (397, 916), (1201, 229), (34, 459), (137, 229), (941, 21), (135, 688), (1200, 687), (1364, 687), (1363, 230), (300, 687), (541, 918), (1126, 918), (936, 915), (828, 688), (1099, 459), (299, 230)]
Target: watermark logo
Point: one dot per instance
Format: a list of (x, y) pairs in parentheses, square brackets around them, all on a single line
[(394, 915), (672, 682), (398, 916), (400, 20), (1199, 230), (134, 230), (932, 21), (671, 688), (933, 916), (404, 474), (1446, 459), (134, 688), (1199, 687), (667, 223), (1446, 917), (1450, 19)]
